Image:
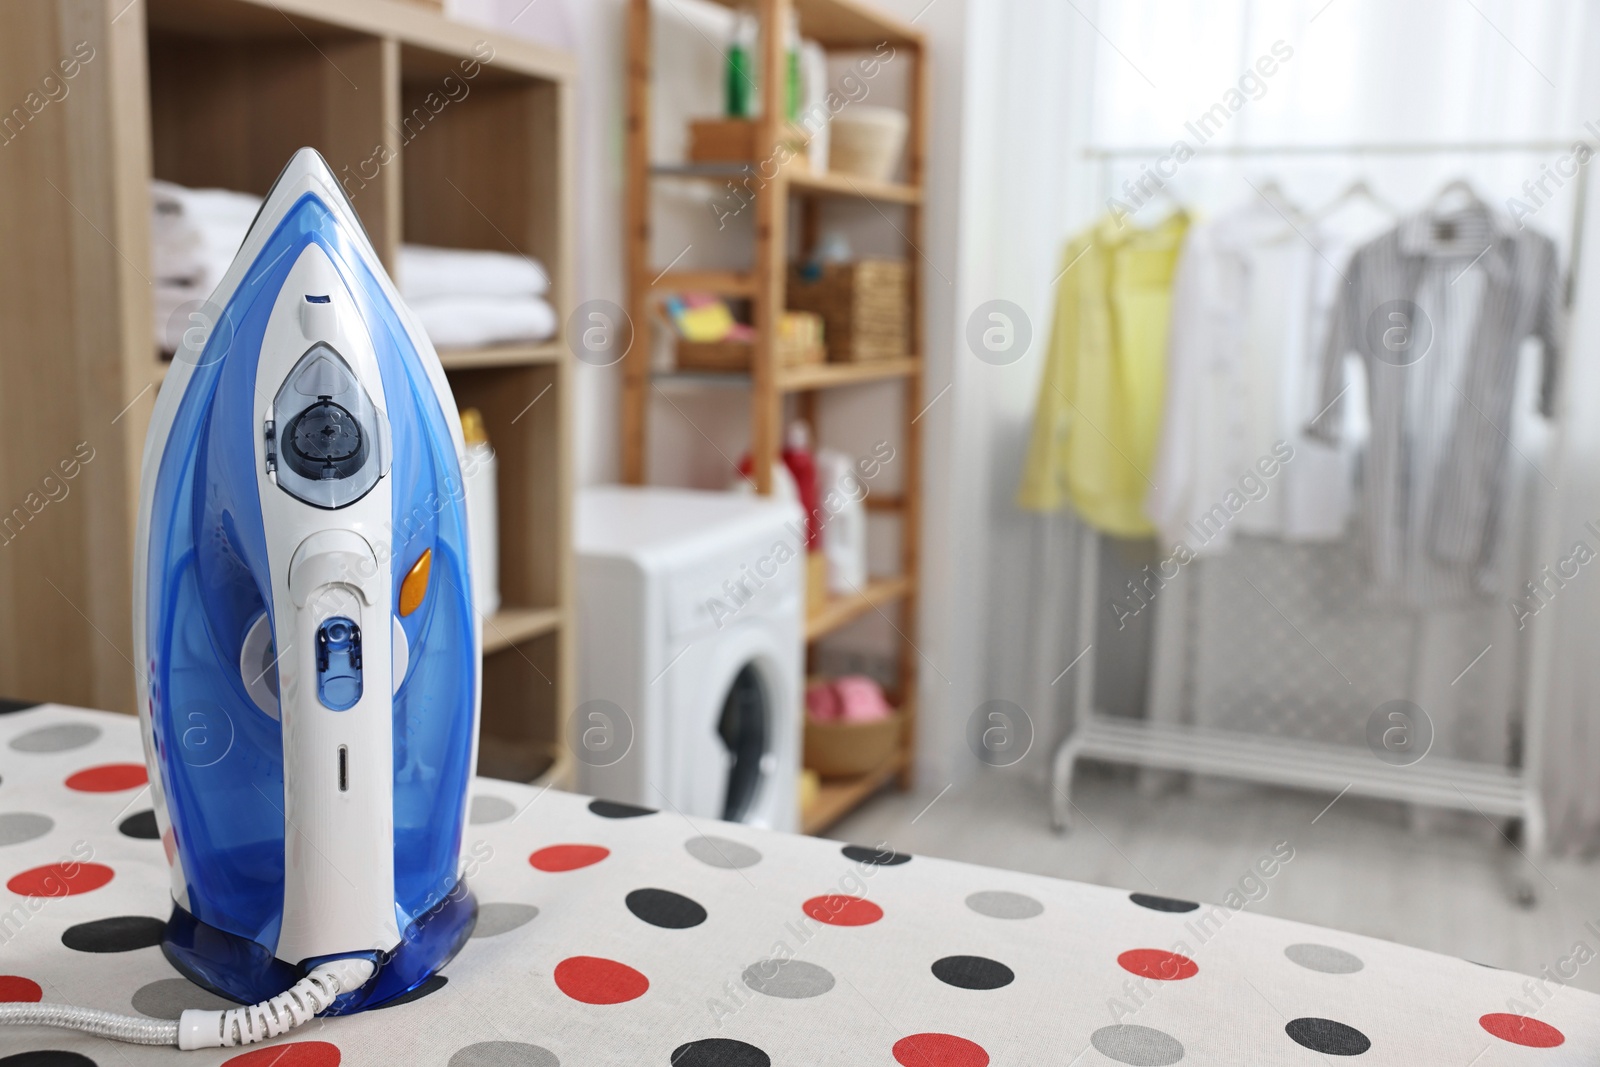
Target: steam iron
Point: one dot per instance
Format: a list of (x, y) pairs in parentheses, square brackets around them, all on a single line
[(310, 684)]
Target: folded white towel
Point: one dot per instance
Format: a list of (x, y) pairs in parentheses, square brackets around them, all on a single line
[(195, 232), (475, 321), (426, 272), (172, 200)]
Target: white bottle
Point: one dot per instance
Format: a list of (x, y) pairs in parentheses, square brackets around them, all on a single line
[(844, 531), (483, 513)]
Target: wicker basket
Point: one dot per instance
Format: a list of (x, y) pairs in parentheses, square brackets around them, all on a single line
[(734, 141), (799, 342), (864, 307), (850, 749), (868, 141)]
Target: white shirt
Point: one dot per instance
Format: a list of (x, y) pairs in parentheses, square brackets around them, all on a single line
[(1249, 312)]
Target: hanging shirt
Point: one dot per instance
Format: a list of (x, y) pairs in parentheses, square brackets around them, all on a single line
[(1099, 407), (1437, 310), (1249, 305)]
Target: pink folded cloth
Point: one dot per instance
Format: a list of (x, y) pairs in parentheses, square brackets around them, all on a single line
[(822, 702), (861, 699)]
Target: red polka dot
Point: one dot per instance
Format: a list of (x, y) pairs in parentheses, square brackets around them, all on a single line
[(109, 778), (939, 1050), (1162, 966), (169, 844), (593, 980), (838, 910), (567, 857), (60, 879), (15, 989), (294, 1054), (1521, 1030)]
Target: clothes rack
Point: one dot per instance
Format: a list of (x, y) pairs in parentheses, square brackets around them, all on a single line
[(1494, 791)]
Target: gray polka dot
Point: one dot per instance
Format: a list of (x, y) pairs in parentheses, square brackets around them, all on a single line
[(720, 852), (62, 737), (499, 917), (998, 904), (789, 979), (170, 997), (19, 826), (490, 809), (1139, 1046), (504, 1054), (1324, 958)]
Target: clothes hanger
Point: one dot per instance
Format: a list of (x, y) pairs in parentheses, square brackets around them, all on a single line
[(1356, 190), (1455, 196), (1446, 210), (1273, 194), (1295, 218), (1145, 219)]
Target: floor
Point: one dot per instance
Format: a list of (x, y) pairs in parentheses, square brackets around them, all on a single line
[(1446, 884)]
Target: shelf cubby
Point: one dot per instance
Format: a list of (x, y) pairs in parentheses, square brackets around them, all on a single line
[(522, 734), (220, 93), (227, 110)]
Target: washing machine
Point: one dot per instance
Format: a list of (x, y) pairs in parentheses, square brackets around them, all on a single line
[(690, 651)]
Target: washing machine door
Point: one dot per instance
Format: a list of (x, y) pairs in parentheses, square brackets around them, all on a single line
[(734, 726), (745, 728)]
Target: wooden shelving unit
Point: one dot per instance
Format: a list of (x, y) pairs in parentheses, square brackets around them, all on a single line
[(832, 375), (839, 797), (787, 204), (839, 611), (501, 356), (220, 93)]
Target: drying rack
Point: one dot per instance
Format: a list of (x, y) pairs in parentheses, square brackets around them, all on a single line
[(1489, 789)]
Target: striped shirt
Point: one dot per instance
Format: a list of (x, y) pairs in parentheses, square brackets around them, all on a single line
[(1437, 310)]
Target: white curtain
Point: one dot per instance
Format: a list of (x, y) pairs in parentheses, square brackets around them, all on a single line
[(1050, 79)]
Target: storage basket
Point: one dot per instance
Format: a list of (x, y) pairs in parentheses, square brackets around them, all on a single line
[(850, 749), (866, 141), (734, 141), (864, 307), (799, 342)]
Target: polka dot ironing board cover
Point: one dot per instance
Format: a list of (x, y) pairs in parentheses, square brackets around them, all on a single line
[(615, 935)]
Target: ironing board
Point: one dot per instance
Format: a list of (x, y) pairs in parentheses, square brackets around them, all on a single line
[(615, 935)]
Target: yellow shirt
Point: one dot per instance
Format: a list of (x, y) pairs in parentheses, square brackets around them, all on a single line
[(1100, 402)]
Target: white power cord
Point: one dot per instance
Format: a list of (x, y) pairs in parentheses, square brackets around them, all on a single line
[(194, 1029)]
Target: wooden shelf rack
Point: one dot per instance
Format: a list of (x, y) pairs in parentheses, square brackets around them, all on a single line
[(793, 197), (221, 93)]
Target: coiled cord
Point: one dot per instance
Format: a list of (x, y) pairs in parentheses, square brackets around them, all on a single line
[(195, 1028)]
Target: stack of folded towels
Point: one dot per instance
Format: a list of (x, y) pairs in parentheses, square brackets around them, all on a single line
[(463, 298), (194, 234), (468, 299)]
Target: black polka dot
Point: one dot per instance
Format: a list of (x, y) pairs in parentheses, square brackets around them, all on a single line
[(878, 857), (141, 824), (972, 972), (1328, 1037), (669, 910), (719, 1052), (611, 809), (120, 933), (6, 708), (1155, 903), (431, 986), (47, 1057)]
